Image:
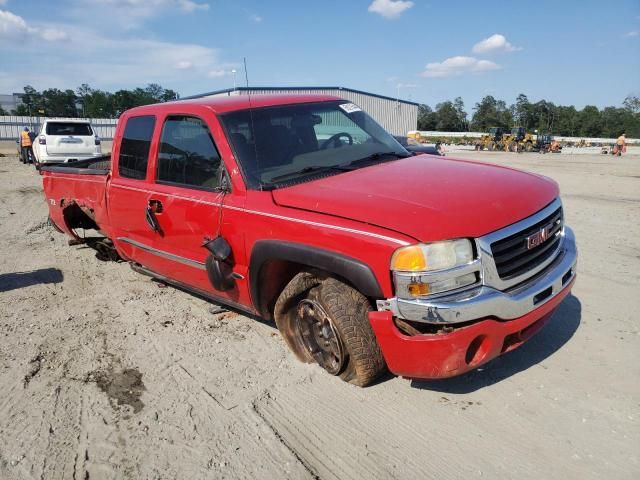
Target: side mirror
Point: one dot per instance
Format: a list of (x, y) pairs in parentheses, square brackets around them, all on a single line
[(219, 248), (219, 265)]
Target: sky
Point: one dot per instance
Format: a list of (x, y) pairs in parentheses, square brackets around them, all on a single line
[(427, 51)]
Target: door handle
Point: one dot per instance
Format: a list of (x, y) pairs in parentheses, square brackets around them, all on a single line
[(153, 207), (151, 219)]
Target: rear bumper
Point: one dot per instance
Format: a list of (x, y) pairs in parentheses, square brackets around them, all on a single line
[(67, 158), (432, 356)]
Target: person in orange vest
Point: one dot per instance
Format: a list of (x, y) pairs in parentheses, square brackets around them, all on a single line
[(621, 143), (26, 145)]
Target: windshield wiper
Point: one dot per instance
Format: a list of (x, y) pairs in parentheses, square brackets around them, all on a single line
[(342, 167), (375, 157), (311, 169)]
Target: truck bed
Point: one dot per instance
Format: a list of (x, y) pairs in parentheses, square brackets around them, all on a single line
[(76, 194), (92, 166)]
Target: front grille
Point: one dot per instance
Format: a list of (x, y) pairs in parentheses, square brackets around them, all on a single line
[(512, 254)]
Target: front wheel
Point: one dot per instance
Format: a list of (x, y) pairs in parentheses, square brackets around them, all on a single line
[(325, 321)]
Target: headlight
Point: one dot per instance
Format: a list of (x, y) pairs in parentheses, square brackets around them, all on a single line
[(432, 256), (428, 269)]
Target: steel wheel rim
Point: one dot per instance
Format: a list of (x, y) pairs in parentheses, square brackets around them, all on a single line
[(320, 337)]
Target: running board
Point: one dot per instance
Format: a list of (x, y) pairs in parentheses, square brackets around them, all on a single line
[(136, 267)]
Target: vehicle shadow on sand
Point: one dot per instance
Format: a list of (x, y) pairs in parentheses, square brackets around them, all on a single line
[(552, 337), (13, 281)]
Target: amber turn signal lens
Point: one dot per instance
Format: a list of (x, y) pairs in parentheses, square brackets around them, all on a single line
[(409, 259), (417, 289)]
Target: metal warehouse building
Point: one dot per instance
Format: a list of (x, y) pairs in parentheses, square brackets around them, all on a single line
[(395, 115)]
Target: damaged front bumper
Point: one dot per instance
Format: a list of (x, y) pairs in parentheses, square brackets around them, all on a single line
[(472, 327), (434, 356), (485, 301)]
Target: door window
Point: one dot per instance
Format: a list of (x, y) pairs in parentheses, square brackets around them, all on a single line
[(188, 155), (134, 148)]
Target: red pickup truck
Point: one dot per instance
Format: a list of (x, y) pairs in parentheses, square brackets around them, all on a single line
[(304, 211)]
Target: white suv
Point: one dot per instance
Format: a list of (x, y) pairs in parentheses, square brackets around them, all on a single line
[(66, 140)]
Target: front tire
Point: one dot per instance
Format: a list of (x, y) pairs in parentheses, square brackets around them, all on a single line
[(324, 320)]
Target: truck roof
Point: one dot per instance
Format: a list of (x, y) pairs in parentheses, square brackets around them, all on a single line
[(66, 120), (222, 104)]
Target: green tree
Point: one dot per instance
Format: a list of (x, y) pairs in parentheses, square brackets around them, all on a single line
[(169, 96), (124, 100), (614, 121), (490, 112), (590, 122), (100, 104), (632, 103), (427, 118), (155, 93), (59, 103), (522, 112), (96, 103), (458, 105), (447, 117), (567, 122), (3, 111), (32, 103), (632, 117)]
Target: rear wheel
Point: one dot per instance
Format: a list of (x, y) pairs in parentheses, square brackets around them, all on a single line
[(325, 321)]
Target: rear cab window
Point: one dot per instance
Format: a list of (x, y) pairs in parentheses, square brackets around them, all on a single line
[(188, 155), (135, 146), (75, 129)]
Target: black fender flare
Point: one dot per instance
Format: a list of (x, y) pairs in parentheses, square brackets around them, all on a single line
[(354, 271)]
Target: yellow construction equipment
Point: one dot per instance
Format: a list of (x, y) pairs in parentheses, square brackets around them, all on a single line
[(493, 140), (519, 141)]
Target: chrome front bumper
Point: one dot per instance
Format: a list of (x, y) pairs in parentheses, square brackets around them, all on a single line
[(484, 301)]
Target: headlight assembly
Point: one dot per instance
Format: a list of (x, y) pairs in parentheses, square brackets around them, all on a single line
[(432, 268), (425, 257)]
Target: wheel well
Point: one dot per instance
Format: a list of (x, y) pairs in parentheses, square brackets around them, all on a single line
[(276, 274), (273, 277), (76, 217), (274, 263)]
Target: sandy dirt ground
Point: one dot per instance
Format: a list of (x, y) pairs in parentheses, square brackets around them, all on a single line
[(107, 374)]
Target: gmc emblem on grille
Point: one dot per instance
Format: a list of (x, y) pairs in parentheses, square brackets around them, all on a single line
[(539, 237)]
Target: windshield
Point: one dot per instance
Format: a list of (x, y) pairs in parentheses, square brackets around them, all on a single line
[(294, 142)]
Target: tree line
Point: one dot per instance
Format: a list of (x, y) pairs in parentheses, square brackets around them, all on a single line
[(449, 116), (544, 116), (88, 102)]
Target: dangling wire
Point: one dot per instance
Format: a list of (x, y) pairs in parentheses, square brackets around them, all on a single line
[(220, 216)]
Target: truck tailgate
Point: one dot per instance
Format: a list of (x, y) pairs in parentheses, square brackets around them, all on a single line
[(76, 194)]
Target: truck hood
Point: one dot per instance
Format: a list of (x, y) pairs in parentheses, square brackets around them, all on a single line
[(425, 197)]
